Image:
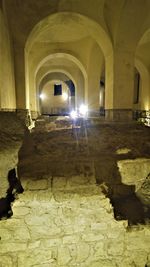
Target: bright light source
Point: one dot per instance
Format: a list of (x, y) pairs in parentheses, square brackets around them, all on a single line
[(73, 114), (42, 96), (65, 96), (83, 110)]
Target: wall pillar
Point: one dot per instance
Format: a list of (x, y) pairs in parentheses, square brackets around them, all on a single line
[(20, 75), (96, 63), (7, 85), (119, 86)]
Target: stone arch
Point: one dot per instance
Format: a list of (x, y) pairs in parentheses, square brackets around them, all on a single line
[(67, 74), (92, 28), (66, 56), (41, 82), (145, 86), (71, 58), (142, 58)]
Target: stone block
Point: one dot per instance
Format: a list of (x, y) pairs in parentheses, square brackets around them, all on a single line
[(83, 252), (51, 242), (34, 258), (12, 247), (63, 256), (115, 247), (5, 234), (44, 196), (134, 172), (21, 233), (12, 223), (103, 263), (92, 237), (116, 233), (68, 229), (45, 232), (99, 250), (138, 242), (20, 211), (124, 150), (6, 261), (34, 245), (41, 184), (81, 180), (138, 258), (70, 239), (98, 226), (35, 220), (73, 252), (59, 182)]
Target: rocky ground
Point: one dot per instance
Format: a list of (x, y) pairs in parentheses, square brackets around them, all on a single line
[(86, 194), (55, 148), (11, 137)]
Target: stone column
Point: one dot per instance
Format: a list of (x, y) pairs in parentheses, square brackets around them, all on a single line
[(7, 84), (119, 86), (19, 65), (94, 69)]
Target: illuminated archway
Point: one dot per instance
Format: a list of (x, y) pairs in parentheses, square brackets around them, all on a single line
[(54, 98), (52, 26), (55, 75)]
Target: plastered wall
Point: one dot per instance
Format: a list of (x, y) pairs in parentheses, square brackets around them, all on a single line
[(52, 103), (7, 86)]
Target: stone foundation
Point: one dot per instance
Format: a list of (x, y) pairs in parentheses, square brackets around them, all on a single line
[(34, 114), (134, 171), (69, 222), (121, 115)]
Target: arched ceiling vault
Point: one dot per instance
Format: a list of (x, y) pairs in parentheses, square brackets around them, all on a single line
[(124, 21), (53, 76), (62, 56), (68, 27), (142, 50)]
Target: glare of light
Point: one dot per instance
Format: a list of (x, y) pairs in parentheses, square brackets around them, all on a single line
[(73, 114), (65, 96), (42, 96), (83, 110)]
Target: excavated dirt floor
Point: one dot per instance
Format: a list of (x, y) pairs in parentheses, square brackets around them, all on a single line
[(89, 147)]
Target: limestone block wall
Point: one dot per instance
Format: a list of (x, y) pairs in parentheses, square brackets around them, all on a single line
[(134, 171), (69, 222)]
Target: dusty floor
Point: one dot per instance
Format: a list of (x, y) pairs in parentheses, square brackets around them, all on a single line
[(88, 149)]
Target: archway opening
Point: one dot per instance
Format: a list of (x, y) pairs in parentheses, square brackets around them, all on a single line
[(55, 98), (66, 35)]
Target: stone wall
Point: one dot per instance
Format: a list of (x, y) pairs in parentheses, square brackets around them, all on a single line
[(11, 138), (69, 222), (134, 171)]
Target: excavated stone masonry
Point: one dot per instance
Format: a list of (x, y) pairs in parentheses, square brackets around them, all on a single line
[(11, 137), (63, 217), (69, 222)]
